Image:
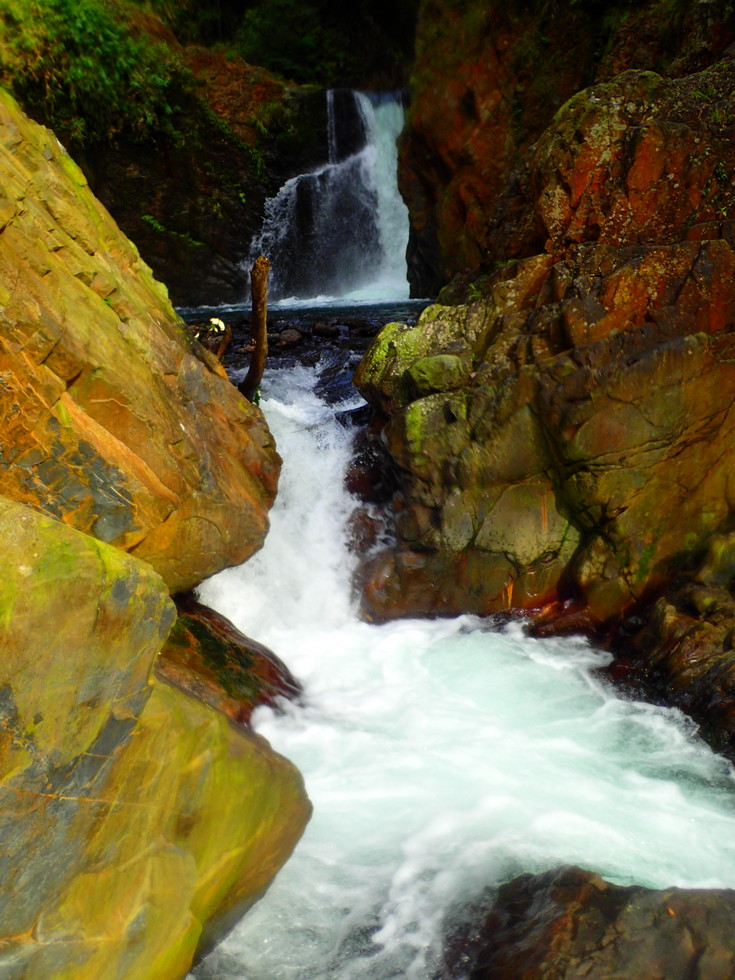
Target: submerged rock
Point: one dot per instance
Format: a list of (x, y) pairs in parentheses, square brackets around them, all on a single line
[(569, 924), (114, 420), (137, 823)]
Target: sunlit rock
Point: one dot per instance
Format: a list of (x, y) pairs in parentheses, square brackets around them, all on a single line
[(137, 823), (113, 420)]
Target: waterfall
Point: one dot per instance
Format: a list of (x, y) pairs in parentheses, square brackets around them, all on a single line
[(441, 756), (341, 231)]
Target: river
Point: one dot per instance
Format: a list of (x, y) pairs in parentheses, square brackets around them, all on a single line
[(441, 756)]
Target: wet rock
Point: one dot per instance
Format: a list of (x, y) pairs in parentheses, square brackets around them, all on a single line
[(289, 337), (680, 647), (328, 330), (565, 437), (137, 822), (488, 82), (206, 656), (363, 530), (569, 924)]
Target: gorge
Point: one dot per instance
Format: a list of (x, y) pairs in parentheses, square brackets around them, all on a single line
[(545, 465)]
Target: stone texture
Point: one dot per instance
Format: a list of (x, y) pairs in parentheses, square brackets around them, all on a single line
[(208, 657), (569, 924), (486, 84), (113, 420), (136, 822), (584, 448)]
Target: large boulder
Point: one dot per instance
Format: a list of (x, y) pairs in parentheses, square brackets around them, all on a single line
[(136, 821), (569, 435), (486, 84), (570, 924), (208, 657), (113, 419)]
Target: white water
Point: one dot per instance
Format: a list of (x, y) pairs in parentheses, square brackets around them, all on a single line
[(440, 757), (341, 231)]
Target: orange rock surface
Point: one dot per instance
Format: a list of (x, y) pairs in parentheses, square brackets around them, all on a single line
[(113, 420)]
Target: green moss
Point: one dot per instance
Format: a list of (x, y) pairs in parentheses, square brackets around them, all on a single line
[(157, 226)]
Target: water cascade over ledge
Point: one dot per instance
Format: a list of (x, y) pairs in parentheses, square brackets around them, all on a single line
[(441, 756), (342, 230)]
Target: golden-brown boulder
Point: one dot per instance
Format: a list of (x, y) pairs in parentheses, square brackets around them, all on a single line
[(136, 821), (112, 419)]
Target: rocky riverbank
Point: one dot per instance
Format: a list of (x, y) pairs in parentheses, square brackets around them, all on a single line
[(137, 822)]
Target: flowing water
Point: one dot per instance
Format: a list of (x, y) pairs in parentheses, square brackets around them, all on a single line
[(441, 756), (342, 229)]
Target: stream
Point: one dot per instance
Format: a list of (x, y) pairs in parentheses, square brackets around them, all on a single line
[(441, 756)]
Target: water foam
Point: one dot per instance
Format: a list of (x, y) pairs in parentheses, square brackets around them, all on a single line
[(441, 756)]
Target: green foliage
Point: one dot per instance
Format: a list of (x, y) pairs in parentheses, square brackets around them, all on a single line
[(77, 65), (156, 225)]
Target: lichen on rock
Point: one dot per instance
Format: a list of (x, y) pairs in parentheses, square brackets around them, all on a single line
[(584, 448), (136, 821)]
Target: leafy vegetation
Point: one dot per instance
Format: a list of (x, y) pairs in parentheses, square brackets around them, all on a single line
[(81, 67), (325, 42)]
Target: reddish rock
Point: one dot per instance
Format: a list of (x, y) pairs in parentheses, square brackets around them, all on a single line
[(486, 84), (590, 447), (362, 530), (209, 658), (570, 924)]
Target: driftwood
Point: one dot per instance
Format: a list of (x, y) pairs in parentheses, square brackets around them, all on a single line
[(258, 332)]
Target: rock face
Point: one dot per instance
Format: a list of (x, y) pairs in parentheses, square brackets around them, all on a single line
[(193, 206), (569, 924), (113, 420), (136, 822), (487, 83), (569, 435), (680, 649)]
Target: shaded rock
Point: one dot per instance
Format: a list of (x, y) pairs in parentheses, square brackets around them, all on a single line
[(486, 84), (681, 647), (363, 530), (113, 419), (573, 441), (289, 337), (137, 823), (209, 658), (194, 204), (569, 924), (328, 330)]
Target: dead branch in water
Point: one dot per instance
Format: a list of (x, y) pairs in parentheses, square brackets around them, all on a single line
[(258, 330)]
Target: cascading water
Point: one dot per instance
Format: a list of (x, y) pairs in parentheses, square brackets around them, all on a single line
[(440, 756), (342, 230)]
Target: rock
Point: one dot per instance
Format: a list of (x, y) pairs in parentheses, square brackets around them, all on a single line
[(486, 84), (565, 437), (193, 204), (680, 647), (327, 330), (363, 530), (569, 924), (209, 658), (289, 337), (113, 419), (137, 823)]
